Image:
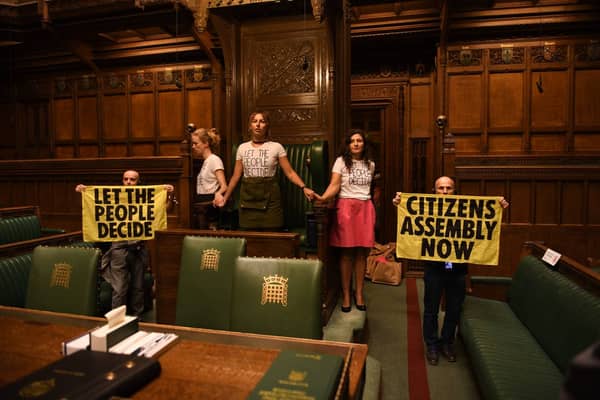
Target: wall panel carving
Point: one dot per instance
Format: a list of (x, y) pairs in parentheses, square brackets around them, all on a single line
[(288, 67), (287, 71)]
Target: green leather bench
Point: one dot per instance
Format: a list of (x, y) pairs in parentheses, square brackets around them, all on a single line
[(21, 228), (521, 348)]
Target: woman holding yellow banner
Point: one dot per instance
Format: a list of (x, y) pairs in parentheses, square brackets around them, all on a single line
[(352, 229)]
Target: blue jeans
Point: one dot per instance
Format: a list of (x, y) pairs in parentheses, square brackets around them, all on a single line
[(439, 280)]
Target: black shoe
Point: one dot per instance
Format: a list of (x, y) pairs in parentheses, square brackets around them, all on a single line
[(433, 356), (448, 352), (346, 309), (360, 307)]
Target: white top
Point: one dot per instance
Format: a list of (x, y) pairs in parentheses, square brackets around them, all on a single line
[(356, 183), (206, 181), (261, 161)]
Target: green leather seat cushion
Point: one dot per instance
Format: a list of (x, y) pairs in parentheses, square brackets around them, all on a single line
[(63, 279), (204, 294), (252, 309)]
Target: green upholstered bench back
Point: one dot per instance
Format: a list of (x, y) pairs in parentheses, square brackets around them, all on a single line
[(16, 229), (277, 296), (14, 274), (563, 317), (310, 161), (205, 281), (63, 279)]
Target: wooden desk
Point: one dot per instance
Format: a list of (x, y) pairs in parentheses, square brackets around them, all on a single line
[(203, 364)]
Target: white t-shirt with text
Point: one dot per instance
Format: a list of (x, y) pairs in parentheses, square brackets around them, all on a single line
[(261, 161), (356, 183)]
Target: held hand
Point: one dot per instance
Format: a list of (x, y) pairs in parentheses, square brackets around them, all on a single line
[(169, 188), (504, 203), (308, 193), (318, 197), (396, 199), (80, 188), (219, 202), (219, 199)]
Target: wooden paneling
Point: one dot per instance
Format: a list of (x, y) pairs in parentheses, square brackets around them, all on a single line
[(115, 116), (87, 110), (142, 115), (548, 142), (420, 111), (549, 105), (587, 99), (593, 210), (64, 117), (467, 143), (142, 149), (170, 114), (504, 143), (464, 102), (552, 199), (546, 203), (115, 150), (200, 109), (119, 113), (586, 142), (505, 101), (572, 203)]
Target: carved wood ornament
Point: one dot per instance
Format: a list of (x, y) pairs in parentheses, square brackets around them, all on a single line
[(199, 8)]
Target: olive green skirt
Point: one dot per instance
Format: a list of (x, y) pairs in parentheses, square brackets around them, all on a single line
[(260, 204)]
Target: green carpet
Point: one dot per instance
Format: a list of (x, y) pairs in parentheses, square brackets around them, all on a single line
[(387, 340)]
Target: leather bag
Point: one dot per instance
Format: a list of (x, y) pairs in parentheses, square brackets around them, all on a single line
[(382, 266)]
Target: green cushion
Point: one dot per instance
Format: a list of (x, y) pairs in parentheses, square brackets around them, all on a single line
[(205, 281), (16, 229), (14, 274), (277, 296), (506, 358), (563, 317), (63, 279)]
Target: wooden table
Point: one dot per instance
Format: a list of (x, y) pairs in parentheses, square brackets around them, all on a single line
[(202, 364)]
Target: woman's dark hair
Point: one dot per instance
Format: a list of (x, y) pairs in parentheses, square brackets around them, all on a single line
[(345, 153)]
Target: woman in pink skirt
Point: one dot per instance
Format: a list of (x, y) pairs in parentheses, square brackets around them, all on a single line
[(353, 227)]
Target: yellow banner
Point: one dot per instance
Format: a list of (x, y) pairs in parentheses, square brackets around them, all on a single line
[(118, 213), (449, 228)]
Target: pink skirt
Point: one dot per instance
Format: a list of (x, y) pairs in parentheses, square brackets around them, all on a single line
[(354, 224)]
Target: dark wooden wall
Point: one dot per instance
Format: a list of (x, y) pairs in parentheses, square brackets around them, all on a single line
[(525, 122), (121, 113)]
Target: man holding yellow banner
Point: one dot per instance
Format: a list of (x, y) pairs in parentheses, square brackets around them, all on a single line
[(447, 231), (127, 217)]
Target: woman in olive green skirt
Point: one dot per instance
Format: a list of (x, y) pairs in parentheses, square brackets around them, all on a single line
[(256, 164)]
